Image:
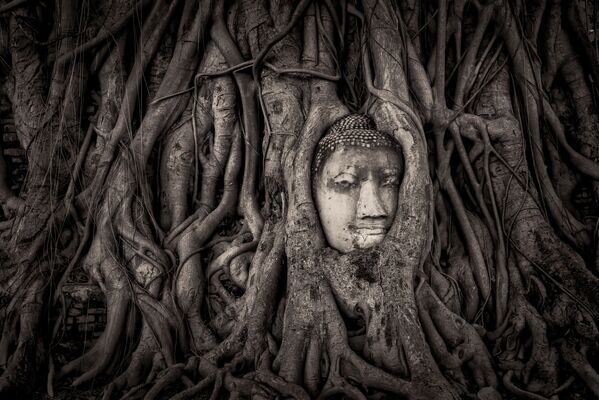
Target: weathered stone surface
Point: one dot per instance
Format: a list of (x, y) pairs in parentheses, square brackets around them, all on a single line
[(86, 308)]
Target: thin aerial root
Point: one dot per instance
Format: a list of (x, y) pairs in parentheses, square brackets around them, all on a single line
[(204, 227), (248, 204), (142, 246)]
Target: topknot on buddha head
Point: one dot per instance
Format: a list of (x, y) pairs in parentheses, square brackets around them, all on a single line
[(353, 130)]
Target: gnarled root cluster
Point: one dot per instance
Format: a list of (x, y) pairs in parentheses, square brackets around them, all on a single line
[(187, 198)]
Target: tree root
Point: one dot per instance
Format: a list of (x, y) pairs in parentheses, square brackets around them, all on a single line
[(168, 284), (581, 365), (16, 379), (248, 203), (19, 373), (265, 375), (145, 363), (543, 358), (96, 360), (510, 386), (336, 384), (468, 348), (172, 375), (103, 36), (195, 390)]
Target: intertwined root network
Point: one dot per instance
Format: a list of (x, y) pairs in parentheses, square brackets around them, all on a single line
[(187, 197)]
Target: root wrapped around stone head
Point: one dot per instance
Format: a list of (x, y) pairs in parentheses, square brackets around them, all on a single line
[(299, 199)]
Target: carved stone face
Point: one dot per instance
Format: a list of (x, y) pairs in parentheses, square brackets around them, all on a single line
[(356, 195)]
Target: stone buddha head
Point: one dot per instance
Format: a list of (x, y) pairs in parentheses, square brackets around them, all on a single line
[(356, 175)]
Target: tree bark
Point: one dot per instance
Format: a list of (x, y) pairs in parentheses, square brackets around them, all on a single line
[(169, 149)]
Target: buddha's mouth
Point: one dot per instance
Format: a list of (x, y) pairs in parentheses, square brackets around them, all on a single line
[(365, 237), (370, 231)]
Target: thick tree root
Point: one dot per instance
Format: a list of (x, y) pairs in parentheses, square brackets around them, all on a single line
[(192, 295), (96, 360), (466, 348)]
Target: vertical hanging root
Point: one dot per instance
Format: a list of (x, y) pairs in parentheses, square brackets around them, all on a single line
[(223, 105), (248, 199), (189, 281)]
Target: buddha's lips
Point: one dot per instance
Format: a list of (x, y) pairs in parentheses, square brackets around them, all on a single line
[(370, 230)]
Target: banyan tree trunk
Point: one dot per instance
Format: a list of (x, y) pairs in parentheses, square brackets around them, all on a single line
[(169, 148)]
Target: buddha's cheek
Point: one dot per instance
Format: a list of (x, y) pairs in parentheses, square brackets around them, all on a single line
[(390, 198), (336, 216)]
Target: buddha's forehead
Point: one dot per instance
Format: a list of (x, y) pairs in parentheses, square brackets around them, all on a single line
[(355, 130), (348, 158)]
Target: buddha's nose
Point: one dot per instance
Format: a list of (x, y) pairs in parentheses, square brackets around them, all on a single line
[(370, 203)]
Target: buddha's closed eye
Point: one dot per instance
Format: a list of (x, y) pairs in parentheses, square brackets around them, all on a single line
[(345, 181), (391, 180)]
